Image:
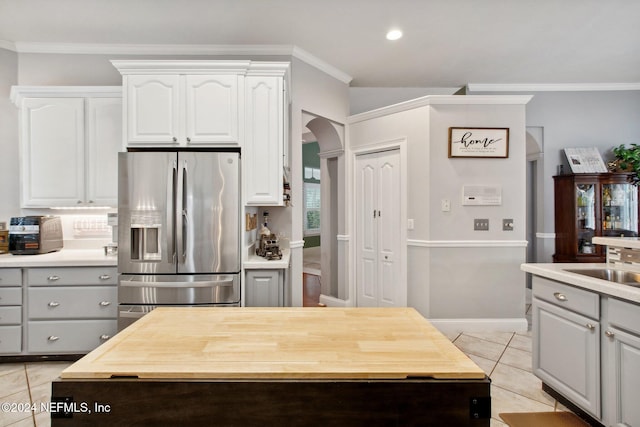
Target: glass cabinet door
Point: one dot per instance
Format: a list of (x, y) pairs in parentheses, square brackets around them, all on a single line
[(586, 213), (619, 210)]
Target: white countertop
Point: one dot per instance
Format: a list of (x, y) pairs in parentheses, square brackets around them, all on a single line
[(556, 271), (621, 242), (257, 262), (63, 258)]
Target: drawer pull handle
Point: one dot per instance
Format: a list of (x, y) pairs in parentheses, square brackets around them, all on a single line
[(559, 296), (590, 326), (609, 334), (53, 338), (105, 277), (53, 278), (105, 303), (105, 337), (53, 304)]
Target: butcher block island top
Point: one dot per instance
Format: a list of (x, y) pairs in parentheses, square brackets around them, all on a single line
[(277, 343)]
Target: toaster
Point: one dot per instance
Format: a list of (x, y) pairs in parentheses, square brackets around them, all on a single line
[(32, 235)]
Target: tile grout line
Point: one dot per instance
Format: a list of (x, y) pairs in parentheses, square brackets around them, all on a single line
[(502, 354), (26, 375)]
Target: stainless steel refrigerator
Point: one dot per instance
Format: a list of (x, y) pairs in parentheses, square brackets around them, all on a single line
[(178, 230)]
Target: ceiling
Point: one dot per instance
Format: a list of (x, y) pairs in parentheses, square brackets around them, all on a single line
[(446, 43)]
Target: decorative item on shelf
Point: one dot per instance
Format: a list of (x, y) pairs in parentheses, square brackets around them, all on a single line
[(627, 160)]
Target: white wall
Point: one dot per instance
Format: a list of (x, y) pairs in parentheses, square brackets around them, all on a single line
[(456, 273)]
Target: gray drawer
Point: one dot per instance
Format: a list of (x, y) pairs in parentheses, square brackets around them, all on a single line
[(10, 339), (569, 297), (624, 315), (60, 302), (72, 276), (68, 336), (10, 296), (10, 277), (10, 315)]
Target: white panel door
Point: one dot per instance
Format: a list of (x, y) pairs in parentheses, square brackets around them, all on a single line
[(52, 145), (153, 109), (212, 110), (378, 229), (104, 141)]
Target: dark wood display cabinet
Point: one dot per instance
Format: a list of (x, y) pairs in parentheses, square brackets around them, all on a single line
[(588, 205)]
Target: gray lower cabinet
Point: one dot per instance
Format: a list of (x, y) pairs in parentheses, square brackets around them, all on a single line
[(586, 346), (621, 370), (70, 309), (264, 288), (10, 311)]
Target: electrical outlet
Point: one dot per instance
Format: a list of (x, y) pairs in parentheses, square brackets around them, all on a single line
[(481, 224), (507, 224)]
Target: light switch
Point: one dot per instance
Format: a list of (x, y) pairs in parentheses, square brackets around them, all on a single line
[(410, 224), (445, 205), (481, 224)]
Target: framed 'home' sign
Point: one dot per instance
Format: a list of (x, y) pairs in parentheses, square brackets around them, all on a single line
[(479, 142)]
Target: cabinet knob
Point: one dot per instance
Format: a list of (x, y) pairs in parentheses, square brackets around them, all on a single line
[(105, 303), (79, 202), (590, 326), (609, 334), (53, 304), (559, 296), (175, 139), (105, 337), (90, 201), (53, 338), (188, 139), (53, 278), (105, 277)]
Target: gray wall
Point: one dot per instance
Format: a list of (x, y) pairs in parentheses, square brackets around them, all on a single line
[(9, 172), (455, 272)]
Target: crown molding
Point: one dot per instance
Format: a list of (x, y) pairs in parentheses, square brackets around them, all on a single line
[(143, 66), (7, 45), (19, 92), (177, 49), (441, 100), (551, 87)]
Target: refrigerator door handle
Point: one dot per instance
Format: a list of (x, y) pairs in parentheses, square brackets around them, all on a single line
[(185, 216), (171, 209)]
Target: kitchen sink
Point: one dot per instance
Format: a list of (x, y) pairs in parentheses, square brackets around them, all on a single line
[(618, 276)]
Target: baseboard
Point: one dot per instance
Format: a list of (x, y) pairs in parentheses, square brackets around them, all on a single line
[(480, 325), (330, 301)]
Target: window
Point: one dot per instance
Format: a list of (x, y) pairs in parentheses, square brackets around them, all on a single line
[(311, 208)]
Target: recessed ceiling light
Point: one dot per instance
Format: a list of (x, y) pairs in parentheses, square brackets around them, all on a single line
[(394, 35)]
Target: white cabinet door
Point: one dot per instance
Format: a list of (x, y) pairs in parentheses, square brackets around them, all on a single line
[(566, 354), (377, 235), (52, 144), (264, 139), (212, 109), (104, 141), (153, 109)]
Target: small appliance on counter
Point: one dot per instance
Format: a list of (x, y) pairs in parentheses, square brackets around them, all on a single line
[(268, 246), (32, 235)]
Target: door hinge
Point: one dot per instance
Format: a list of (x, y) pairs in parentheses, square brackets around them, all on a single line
[(480, 407)]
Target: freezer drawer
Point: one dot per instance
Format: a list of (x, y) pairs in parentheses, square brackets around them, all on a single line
[(179, 289)]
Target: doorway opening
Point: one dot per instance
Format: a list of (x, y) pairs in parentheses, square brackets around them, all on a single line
[(323, 211)]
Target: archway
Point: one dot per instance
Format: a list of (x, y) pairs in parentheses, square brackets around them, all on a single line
[(333, 249)]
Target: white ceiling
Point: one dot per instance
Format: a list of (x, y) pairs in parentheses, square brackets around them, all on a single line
[(446, 43)]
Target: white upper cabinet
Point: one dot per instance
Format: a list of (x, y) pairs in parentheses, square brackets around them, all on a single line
[(212, 111), (264, 140), (69, 140), (213, 103)]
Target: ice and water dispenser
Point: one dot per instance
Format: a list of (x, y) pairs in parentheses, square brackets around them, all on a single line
[(146, 235)]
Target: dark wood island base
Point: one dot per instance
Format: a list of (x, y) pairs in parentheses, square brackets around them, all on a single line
[(408, 402)]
